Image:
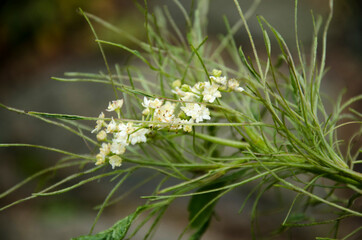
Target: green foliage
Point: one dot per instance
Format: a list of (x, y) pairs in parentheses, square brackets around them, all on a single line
[(118, 231), (200, 211)]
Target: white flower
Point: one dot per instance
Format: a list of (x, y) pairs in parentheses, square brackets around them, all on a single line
[(120, 137), (233, 85), (198, 87), (105, 149), (112, 126), (101, 136), (100, 123), (181, 124), (146, 111), (165, 113), (115, 105), (186, 96), (103, 152), (196, 111), (123, 132), (239, 89), (178, 91), (117, 148), (168, 107), (115, 161), (126, 128), (189, 97), (219, 80), (139, 136), (175, 124), (210, 92), (148, 103), (187, 127)]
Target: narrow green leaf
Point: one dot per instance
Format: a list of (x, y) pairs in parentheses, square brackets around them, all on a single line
[(134, 52)]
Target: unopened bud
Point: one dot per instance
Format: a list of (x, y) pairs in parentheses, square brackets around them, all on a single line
[(185, 88), (102, 136), (176, 83), (216, 72), (115, 161), (182, 115)]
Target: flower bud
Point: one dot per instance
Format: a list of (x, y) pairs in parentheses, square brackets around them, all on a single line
[(185, 88), (100, 159), (216, 72), (176, 83), (115, 161), (182, 115), (146, 111), (199, 86), (102, 136)]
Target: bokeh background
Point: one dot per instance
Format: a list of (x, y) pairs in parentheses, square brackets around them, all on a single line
[(40, 39)]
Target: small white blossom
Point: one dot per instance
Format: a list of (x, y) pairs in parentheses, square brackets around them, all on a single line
[(105, 149), (126, 128), (148, 103), (168, 107), (139, 136), (181, 124), (121, 138), (175, 125), (124, 131), (187, 127), (178, 91), (112, 126), (115, 161), (103, 152), (210, 92), (186, 95), (165, 113), (233, 85), (115, 105), (198, 87), (196, 111), (219, 80), (239, 89), (117, 148), (146, 111), (189, 97), (100, 123)]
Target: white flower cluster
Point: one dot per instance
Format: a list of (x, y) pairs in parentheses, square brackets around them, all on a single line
[(164, 112), (192, 108), (206, 91), (203, 92), (225, 85), (123, 135)]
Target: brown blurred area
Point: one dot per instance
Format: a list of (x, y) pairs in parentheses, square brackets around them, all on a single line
[(40, 39), (37, 34)]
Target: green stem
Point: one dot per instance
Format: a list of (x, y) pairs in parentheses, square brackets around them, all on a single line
[(222, 141)]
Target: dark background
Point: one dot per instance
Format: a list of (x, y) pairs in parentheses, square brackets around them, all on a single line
[(40, 39)]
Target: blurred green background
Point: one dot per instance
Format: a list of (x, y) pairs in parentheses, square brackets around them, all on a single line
[(41, 38)]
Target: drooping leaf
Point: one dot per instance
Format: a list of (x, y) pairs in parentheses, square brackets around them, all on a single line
[(118, 231), (199, 216)]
